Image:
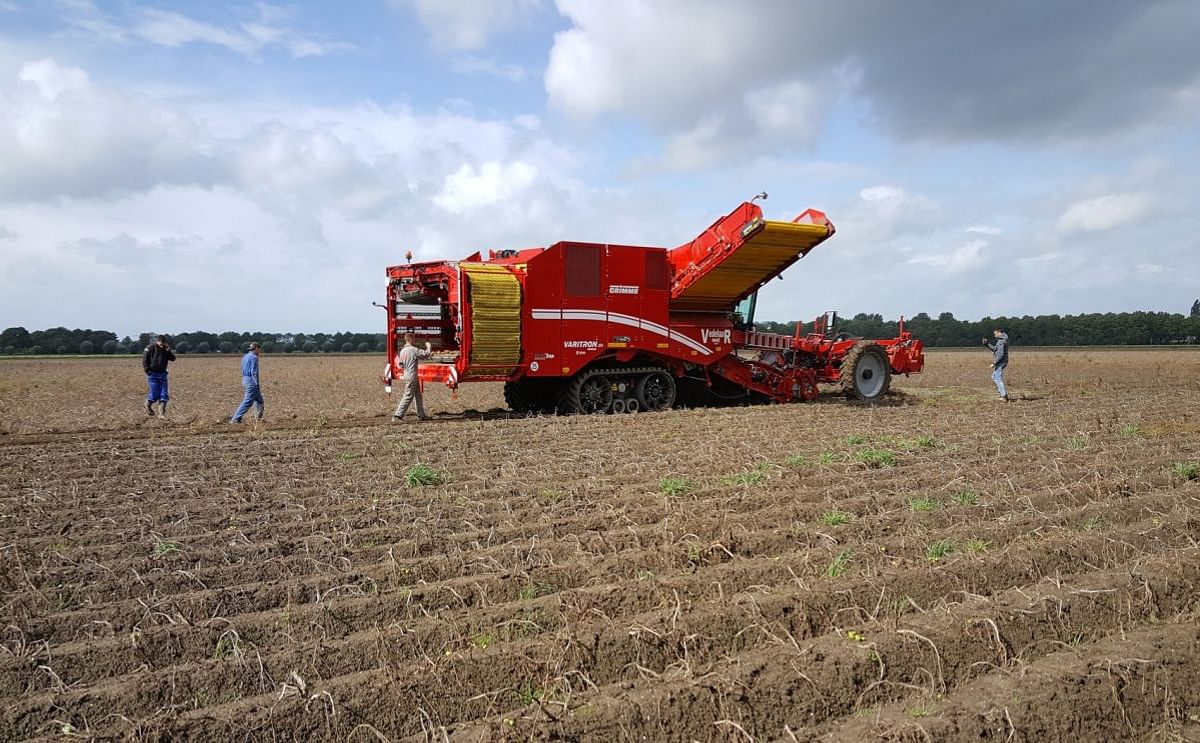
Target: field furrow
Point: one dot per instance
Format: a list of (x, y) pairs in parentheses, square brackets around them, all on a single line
[(937, 566)]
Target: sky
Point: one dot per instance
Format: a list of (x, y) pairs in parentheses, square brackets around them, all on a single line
[(175, 166)]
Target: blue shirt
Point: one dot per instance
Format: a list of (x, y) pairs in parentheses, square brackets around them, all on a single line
[(250, 366)]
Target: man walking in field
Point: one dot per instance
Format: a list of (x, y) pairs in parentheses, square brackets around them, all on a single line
[(250, 381), (407, 359), (999, 351), (154, 362)]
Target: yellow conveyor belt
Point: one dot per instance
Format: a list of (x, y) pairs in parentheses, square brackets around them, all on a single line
[(495, 317), (763, 255)]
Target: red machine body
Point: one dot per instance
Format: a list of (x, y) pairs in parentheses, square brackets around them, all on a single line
[(589, 327)]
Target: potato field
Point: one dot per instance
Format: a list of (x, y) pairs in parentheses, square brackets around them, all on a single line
[(941, 566)]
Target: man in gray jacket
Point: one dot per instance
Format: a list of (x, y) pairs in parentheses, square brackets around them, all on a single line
[(999, 351), (406, 360)]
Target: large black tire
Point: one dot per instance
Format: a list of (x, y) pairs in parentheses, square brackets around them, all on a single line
[(532, 396), (656, 391), (866, 372), (516, 398), (587, 393)]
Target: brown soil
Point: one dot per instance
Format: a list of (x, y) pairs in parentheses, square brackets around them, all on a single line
[(940, 566)]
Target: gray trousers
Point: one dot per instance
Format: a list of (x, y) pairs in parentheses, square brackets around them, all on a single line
[(412, 392)]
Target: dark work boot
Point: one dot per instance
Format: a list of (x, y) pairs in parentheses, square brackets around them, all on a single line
[(149, 407), (162, 413)]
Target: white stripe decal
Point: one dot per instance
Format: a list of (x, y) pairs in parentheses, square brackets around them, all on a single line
[(616, 317)]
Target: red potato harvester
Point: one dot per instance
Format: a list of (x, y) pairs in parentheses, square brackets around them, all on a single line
[(593, 328)]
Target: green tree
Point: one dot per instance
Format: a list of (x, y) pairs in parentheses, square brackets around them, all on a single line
[(110, 346), (226, 347), (203, 347), (1195, 309), (86, 348), (18, 338)]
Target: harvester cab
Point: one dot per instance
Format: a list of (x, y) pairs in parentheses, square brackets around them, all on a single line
[(743, 312)]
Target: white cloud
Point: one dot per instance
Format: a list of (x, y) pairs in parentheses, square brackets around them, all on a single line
[(924, 76), (692, 70), (699, 146), (1103, 212), (984, 230), (786, 109), (582, 77), (961, 259), (316, 200), (1039, 260), (467, 24), (780, 116), (310, 165), (62, 134), (250, 38), (887, 214), (469, 188), (52, 80), (666, 61), (472, 65), (882, 194)]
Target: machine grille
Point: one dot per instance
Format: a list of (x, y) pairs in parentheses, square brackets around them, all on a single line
[(495, 318)]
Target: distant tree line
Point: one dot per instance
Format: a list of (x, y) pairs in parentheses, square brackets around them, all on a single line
[(1108, 329), (63, 341)]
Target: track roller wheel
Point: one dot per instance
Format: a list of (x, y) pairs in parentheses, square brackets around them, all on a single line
[(866, 372), (656, 391), (588, 393)]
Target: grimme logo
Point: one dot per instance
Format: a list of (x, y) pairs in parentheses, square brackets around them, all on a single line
[(622, 289), (724, 336)]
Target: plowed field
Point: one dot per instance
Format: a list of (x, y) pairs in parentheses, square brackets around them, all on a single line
[(940, 566)]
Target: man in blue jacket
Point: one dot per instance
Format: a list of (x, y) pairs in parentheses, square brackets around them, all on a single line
[(250, 381), (999, 351)]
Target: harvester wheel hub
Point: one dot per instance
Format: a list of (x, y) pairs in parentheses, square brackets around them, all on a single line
[(595, 395), (656, 391), (866, 372), (870, 375)]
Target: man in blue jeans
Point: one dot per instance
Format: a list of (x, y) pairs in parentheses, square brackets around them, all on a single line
[(999, 351), (250, 381), (154, 362)]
